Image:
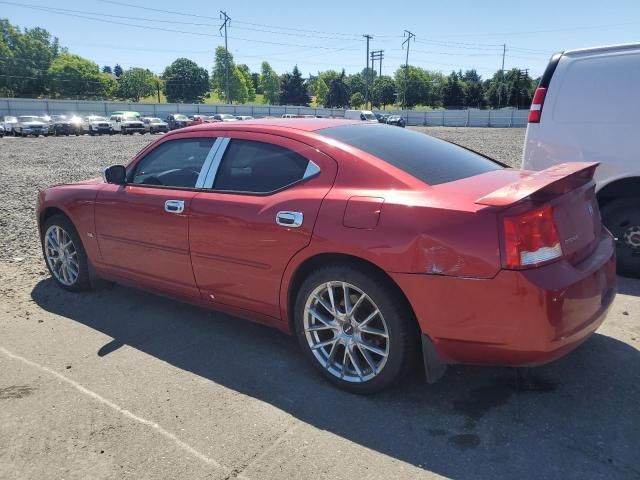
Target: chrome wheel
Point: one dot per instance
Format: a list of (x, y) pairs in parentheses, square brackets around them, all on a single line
[(632, 237), (346, 332), (61, 255)]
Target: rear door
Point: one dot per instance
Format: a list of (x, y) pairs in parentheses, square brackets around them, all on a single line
[(264, 196), (143, 226)]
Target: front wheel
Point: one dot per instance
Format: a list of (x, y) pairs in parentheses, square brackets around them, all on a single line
[(355, 327), (64, 254), (622, 218)]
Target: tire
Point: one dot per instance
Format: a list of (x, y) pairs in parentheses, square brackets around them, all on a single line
[(398, 349), (82, 280), (622, 218), (91, 133)]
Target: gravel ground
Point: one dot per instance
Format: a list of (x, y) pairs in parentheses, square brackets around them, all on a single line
[(28, 165), (117, 383)]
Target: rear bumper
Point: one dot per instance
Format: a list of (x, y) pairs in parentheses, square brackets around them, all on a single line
[(517, 318)]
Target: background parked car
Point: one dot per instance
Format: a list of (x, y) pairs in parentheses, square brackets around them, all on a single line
[(1, 130), (364, 115), (197, 120), (31, 125), (177, 120), (586, 109), (382, 117), (9, 122), (127, 123), (396, 120), (95, 125), (225, 117), (62, 125), (248, 117), (155, 125)]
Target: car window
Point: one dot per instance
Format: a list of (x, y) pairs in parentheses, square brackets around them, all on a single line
[(176, 163), (426, 158), (249, 166)]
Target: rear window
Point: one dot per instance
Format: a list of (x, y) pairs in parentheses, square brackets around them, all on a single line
[(428, 159)]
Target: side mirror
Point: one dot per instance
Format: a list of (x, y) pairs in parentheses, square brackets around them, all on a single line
[(115, 174)]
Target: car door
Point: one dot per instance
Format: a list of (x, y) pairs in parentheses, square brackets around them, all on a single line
[(142, 226), (260, 208)]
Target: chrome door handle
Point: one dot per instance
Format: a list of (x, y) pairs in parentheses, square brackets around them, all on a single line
[(174, 206), (289, 219)]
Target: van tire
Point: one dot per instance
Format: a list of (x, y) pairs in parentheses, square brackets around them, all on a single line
[(622, 218)]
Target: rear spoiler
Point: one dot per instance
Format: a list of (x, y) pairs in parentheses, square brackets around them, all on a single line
[(559, 178)]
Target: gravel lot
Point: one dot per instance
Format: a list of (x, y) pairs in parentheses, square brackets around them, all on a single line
[(117, 383)]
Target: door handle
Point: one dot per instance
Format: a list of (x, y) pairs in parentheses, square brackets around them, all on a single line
[(174, 206), (289, 219)]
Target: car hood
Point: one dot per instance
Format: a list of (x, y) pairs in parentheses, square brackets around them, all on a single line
[(33, 124)]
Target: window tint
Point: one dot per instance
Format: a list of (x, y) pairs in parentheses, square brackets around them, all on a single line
[(428, 159), (249, 166), (176, 163)]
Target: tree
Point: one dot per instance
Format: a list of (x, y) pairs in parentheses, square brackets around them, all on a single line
[(185, 82), (322, 91), (73, 76), (107, 69), (117, 70), (25, 58), (414, 85), (136, 83), (338, 96), (452, 93), (270, 84), (248, 81), (473, 89), (223, 60), (356, 100), (383, 91), (293, 90)]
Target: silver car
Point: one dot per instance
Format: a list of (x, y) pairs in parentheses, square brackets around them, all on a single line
[(9, 122), (31, 125)]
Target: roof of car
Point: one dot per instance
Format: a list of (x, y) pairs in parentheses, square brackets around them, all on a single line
[(603, 48), (304, 124)]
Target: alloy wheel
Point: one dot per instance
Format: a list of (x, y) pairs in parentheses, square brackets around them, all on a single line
[(346, 331), (61, 255)]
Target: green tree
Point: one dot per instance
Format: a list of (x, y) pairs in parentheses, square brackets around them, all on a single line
[(238, 86), (107, 69), (414, 85), (356, 100), (248, 81), (322, 91), (293, 91), (71, 76), (117, 70), (338, 96), (452, 93), (383, 91), (25, 58), (185, 82), (270, 84), (223, 59), (136, 83), (473, 89)]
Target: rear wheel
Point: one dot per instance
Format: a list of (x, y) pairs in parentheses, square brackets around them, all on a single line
[(355, 328), (622, 218), (64, 254)]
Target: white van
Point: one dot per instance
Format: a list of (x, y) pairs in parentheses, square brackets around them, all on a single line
[(587, 109), (364, 115)]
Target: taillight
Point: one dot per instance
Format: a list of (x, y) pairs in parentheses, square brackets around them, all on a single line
[(535, 112), (531, 239)]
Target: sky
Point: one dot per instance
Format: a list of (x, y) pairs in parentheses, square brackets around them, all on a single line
[(319, 35)]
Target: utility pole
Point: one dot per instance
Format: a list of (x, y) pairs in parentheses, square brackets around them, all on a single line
[(520, 74), (158, 89), (366, 74), (409, 36), (504, 50), (377, 55), (227, 21)]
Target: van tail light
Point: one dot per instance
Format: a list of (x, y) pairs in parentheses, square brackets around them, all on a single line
[(535, 112), (531, 239)]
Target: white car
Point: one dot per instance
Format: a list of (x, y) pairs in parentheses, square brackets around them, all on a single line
[(96, 125), (587, 109), (9, 122), (225, 117), (364, 115), (31, 125), (127, 123)]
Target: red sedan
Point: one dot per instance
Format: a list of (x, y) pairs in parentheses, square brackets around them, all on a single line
[(370, 243)]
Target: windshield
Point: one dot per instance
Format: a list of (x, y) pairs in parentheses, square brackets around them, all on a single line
[(155, 120), (427, 158), (369, 116), (29, 119), (180, 117), (96, 119)]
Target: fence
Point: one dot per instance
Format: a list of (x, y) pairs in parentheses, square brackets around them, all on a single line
[(507, 117)]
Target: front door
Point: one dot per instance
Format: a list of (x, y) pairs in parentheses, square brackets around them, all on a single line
[(259, 211), (143, 226)]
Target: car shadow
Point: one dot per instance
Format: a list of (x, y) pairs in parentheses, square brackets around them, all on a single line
[(576, 418)]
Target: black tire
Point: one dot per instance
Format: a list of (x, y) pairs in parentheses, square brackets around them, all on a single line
[(622, 218), (91, 133), (403, 334), (83, 281)]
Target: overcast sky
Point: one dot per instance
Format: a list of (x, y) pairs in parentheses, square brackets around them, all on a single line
[(317, 35)]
